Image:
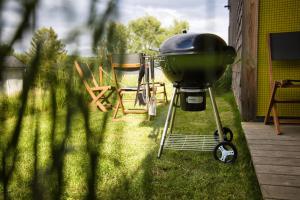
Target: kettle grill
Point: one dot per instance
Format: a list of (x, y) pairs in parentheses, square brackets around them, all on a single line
[(193, 62)]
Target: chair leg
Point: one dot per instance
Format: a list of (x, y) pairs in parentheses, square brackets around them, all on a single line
[(116, 110), (276, 120), (101, 107), (96, 100), (272, 107), (271, 103), (120, 98), (165, 94), (98, 96), (119, 104), (105, 97)]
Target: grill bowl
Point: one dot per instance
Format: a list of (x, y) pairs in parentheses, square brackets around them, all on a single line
[(195, 59)]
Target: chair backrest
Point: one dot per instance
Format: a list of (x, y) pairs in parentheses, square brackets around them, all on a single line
[(85, 74), (283, 47), (126, 61)]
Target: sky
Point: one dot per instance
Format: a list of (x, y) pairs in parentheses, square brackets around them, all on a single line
[(67, 15)]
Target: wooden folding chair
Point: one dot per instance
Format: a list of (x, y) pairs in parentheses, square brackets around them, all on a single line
[(98, 92), (161, 90), (127, 64), (282, 46)]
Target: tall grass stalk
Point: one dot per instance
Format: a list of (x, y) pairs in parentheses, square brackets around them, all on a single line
[(59, 95)]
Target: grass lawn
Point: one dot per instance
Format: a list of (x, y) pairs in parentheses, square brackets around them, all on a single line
[(117, 160)]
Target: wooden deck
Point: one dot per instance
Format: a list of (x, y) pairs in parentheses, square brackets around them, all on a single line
[(276, 159)]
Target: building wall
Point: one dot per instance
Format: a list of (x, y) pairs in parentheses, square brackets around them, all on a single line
[(235, 40), (276, 16), (12, 81), (243, 36)]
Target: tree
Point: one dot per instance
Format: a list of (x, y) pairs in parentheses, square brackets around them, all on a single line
[(144, 34), (141, 35), (117, 38), (177, 27), (22, 57), (52, 53), (114, 41), (51, 47), (147, 33)]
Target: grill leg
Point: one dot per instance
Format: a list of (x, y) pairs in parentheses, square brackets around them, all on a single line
[(170, 111), (216, 114), (174, 112)]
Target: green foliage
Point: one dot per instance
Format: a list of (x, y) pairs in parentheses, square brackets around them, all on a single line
[(144, 34), (9, 105), (51, 46), (52, 54), (128, 167), (117, 38), (52, 146), (115, 41), (177, 27), (224, 83), (49, 82), (140, 35), (23, 57)]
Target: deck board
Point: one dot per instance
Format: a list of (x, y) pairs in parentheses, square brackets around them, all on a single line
[(280, 192), (269, 147), (276, 154), (278, 169), (274, 142), (279, 180), (276, 159)]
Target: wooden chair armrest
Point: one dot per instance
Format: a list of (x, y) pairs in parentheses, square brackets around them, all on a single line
[(287, 83), (107, 87)]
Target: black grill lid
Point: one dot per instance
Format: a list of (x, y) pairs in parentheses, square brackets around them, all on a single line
[(193, 43)]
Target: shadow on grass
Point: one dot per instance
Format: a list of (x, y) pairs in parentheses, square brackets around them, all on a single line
[(9, 151), (207, 177), (158, 122), (147, 166), (123, 189), (11, 148), (244, 152), (129, 171)]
